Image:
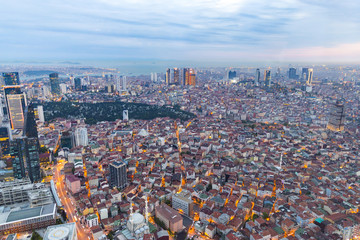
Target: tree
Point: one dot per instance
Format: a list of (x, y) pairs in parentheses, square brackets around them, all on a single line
[(209, 187), (265, 215), (110, 235), (36, 236)]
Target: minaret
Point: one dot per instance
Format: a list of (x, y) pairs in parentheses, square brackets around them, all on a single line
[(281, 160), (146, 210)]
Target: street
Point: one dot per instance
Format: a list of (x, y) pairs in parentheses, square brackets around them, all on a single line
[(82, 233)]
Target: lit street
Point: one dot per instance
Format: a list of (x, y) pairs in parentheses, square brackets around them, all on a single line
[(83, 233)]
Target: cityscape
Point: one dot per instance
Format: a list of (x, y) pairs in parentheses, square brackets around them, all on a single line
[(187, 153), (180, 120)]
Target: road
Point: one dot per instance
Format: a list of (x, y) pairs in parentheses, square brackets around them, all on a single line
[(82, 232)]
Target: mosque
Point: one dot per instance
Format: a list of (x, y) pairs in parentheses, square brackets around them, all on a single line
[(137, 224)]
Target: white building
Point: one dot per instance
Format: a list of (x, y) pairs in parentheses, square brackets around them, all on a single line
[(63, 88), (81, 137), (183, 201), (126, 115), (40, 111), (92, 220), (104, 213)]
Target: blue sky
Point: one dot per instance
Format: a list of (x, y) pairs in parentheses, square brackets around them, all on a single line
[(185, 30)]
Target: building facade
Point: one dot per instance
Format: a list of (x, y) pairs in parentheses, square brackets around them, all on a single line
[(54, 83), (170, 217), (118, 174)]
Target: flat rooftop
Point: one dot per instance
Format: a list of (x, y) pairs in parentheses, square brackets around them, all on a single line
[(19, 215)]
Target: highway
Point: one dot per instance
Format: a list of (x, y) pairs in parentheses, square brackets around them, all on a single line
[(83, 233)]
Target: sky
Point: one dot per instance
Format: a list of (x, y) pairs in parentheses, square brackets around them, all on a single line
[(182, 30)]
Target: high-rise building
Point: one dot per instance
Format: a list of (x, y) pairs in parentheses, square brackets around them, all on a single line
[(118, 174), (183, 76), (16, 104), (81, 137), (192, 77), (11, 78), (304, 74), (63, 88), (337, 117), (5, 137), (77, 84), (118, 84), (126, 115), (267, 78), (309, 77), (257, 77), (292, 73), (167, 76), (25, 150), (124, 84), (231, 74), (176, 78), (39, 113), (25, 158), (54, 83)]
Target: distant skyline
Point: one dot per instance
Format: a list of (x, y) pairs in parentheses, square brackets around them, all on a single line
[(219, 31)]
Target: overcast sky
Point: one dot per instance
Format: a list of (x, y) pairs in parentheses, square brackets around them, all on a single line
[(196, 30)]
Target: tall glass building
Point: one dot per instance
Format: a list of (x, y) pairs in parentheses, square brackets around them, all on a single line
[(25, 150), (16, 104), (118, 174), (54, 83)]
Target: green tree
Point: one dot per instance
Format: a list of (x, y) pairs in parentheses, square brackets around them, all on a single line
[(36, 236)]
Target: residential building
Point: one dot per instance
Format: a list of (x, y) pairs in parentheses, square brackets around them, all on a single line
[(170, 217), (182, 201)]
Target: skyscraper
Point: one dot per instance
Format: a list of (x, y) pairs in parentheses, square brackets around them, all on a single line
[(167, 76), (309, 77), (337, 117), (304, 74), (192, 77), (25, 158), (5, 137), (124, 84), (25, 150), (257, 77), (231, 74), (11, 78), (183, 75), (39, 113), (292, 73), (77, 83), (81, 137), (126, 115), (54, 83), (16, 104), (267, 78), (176, 76), (118, 174)]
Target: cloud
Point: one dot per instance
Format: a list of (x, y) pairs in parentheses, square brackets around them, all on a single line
[(196, 29)]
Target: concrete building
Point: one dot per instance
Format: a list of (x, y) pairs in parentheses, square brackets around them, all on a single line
[(92, 220), (337, 117), (182, 201), (27, 219), (72, 183), (81, 137), (20, 191), (118, 174), (126, 115), (170, 217)]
